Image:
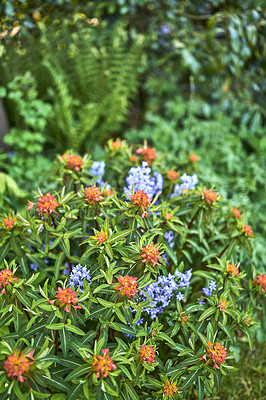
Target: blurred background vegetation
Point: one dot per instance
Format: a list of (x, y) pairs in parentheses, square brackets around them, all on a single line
[(188, 76)]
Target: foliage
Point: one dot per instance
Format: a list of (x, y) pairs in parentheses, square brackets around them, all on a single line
[(26, 161), (115, 308), (228, 154)]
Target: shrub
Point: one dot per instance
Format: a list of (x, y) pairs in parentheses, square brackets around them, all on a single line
[(137, 292)]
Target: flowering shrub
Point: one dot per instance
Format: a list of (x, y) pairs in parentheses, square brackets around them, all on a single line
[(124, 285)]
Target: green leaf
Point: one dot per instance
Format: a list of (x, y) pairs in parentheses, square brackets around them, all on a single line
[(200, 389), (119, 235), (132, 395), (83, 369), (75, 329), (56, 382), (59, 262), (207, 313), (74, 391), (56, 327), (193, 375), (64, 339)]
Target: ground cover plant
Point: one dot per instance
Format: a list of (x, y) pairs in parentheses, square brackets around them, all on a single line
[(123, 282)]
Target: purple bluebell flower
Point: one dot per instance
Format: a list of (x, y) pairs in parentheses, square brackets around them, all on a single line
[(34, 267), (77, 275), (141, 179), (189, 183), (169, 236), (207, 291), (98, 170)]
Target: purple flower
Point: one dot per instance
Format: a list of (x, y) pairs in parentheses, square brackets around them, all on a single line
[(77, 275), (189, 183), (207, 291), (169, 236), (140, 178)]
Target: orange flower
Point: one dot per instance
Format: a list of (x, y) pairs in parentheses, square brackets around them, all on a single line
[(127, 286), (66, 297), (140, 199), (117, 144), (217, 353), (193, 157), (168, 216), (260, 281), (236, 212), (223, 305), (209, 196), (6, 278), (8, 222), (147, 354), (150, 254), (184, 319), (232, 270), (134, 158), (103, 364), (248, 231), (17, 365), (73, 162), (172, 175), (147, 153), (169, 389), (101, 237), (46, 204), (93, 195), (247, 321)]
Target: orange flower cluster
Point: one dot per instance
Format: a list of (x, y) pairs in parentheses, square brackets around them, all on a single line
[(140, 199), (247, 321), (73, 162), (169, 389), (150, 254), (147, 354), (184, 319), (6, 278), (248, 230), (168, 216), (210, 196), (103, 364), (133, 158), (8, 222), (127, 286), (223, 305), (172, 175), (216, 353), (101, 237), (260, 281), (93, 195), (232, 270), (17, 365), (46, 204), (117, 144), (147, 153), (237, 213), (66, 297), (193, 157)]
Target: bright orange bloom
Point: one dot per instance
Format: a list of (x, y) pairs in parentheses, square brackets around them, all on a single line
[(236, 212), (210, 196), (73, 162), (127, 286), (117, 144), (223, 305), (17, 365), (193, 157), (217, 353), (66, 297), (103, 364), (147, 153), (150, 254), (101, 237), (260, 281), (247, 321), (169, 389), (134, 158), (232, 270), (8, 222), (93, 195), (108, 192), (140, 199), (46, 204), (184, 319), (147, 354), (168, 216), (172, 175), (248, 230), (6, 278)]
